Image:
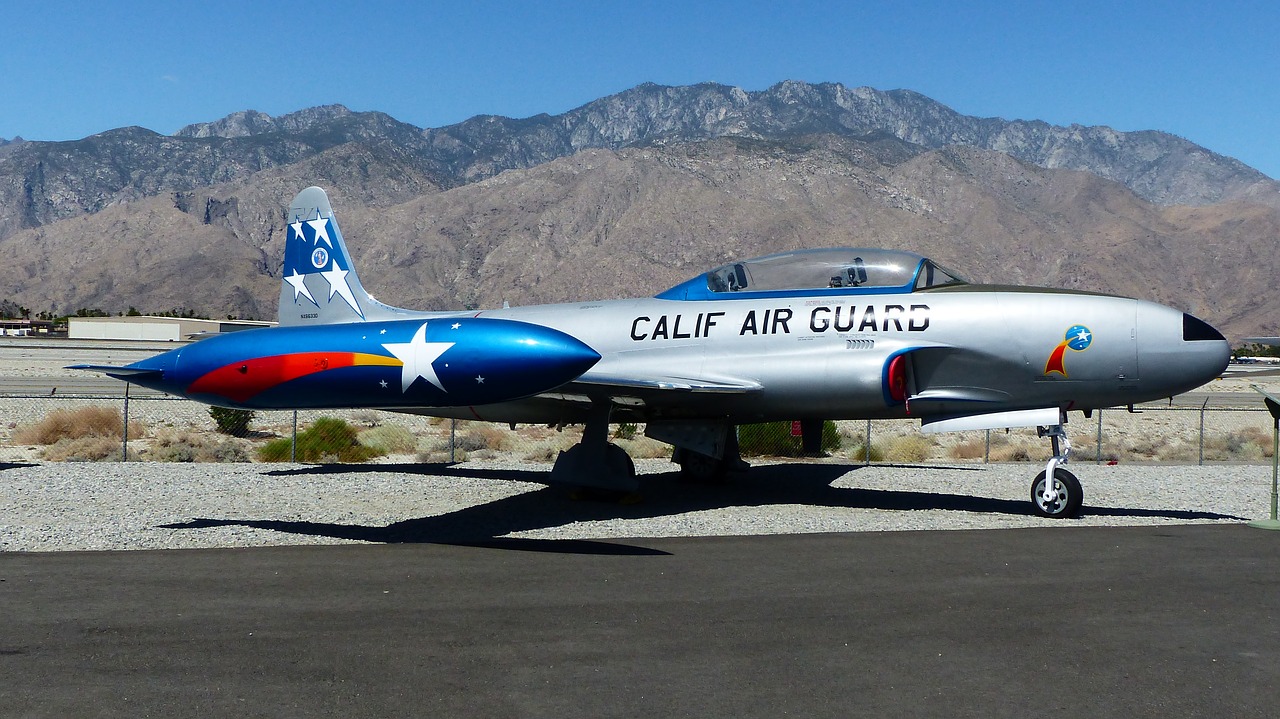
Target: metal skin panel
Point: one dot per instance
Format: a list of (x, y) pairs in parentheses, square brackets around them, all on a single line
[(969, 351)]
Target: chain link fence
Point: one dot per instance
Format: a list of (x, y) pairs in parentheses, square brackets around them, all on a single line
[(163, 428)]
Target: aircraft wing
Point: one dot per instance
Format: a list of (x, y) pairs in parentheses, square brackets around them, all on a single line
[(674, 383)]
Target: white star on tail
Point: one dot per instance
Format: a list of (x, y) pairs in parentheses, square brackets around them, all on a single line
[(418, 355), (337, 279), (298, 282), (321, 227)]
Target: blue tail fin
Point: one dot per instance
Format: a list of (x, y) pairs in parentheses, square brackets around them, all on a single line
[(319, 283)]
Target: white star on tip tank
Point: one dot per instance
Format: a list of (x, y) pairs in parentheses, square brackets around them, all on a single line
[(418, 355)]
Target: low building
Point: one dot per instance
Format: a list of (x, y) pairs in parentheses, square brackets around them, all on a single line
[(22, 328), (153, 329)]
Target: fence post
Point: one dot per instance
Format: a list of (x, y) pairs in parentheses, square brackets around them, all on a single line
[(293, 443), (1098, 456), (986, 452), (453, 435), (866, 454), (1206, 403), (124, 449)]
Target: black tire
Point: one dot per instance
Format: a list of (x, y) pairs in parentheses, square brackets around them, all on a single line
[(698, 468), (619, 462), (1070, 495)]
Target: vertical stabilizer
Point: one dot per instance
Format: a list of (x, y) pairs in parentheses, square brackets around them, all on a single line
[(319, 283)]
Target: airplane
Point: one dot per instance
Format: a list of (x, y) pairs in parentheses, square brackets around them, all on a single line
[(807, 335)]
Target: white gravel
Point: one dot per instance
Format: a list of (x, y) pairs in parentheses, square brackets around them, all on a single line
[(74, 506)]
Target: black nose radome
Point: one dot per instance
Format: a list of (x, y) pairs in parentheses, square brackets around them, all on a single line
[(1197, 330)]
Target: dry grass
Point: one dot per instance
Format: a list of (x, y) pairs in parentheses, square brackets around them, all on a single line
[(84, 449), (93, 421), (172, 445), (971, 449), (909, 448), (389, 439)]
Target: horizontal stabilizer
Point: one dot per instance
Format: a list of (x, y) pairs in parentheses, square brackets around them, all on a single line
[(124, 373), (1046, 417)]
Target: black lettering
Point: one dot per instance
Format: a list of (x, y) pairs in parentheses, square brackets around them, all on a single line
[(844, 326), (749, 324), (661, 328), (711, 322), (868, 319), (780, 318), (816, 325), (891, 316), (911, 319), (675, 329), (635, 325)]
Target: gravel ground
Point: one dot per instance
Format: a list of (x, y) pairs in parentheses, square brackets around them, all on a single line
[(74, 506)]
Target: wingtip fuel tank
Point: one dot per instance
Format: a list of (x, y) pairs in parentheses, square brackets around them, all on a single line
[(452, 362)]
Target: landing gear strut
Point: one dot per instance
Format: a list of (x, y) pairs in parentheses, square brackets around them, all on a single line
[(698, 468), (1061, 497), (595, 462)]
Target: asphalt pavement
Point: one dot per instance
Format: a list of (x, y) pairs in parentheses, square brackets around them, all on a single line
[(1060, 622)]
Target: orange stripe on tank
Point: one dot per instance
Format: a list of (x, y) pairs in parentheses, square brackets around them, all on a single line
[(240, 381)]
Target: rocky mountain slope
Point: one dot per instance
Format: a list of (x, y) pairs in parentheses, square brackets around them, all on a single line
[(630, 194)]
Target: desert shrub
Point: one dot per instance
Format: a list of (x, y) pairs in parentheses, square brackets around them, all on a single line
[(483, 437), (969, 449), (859, 453), (388, 439), (1249, 444), (626, 430), (328, 439), (366, 418), (549, 447), (234, 422), (773, 439), (1009, 452), (644, 448), (178, 446), (230, 451), (84, 449), (91, 421), (909, 448)]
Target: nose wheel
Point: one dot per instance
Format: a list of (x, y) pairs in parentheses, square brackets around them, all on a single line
[(1062, 501)]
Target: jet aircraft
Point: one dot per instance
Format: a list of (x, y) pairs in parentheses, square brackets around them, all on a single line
[(809, 335)]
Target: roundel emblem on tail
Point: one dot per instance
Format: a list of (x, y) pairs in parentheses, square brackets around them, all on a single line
[(319, 258)]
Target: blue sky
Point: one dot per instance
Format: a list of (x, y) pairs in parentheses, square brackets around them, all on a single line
[(1209, 72)]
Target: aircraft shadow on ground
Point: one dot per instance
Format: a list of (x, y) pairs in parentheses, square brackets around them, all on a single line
[(16, 465), (661, 495)]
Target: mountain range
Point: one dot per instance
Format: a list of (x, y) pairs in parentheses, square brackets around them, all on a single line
[(630, 194)]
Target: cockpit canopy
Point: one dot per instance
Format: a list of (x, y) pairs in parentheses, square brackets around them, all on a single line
[(837, 270)]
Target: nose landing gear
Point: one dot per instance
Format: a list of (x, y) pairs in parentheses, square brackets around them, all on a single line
[(1060, 498)]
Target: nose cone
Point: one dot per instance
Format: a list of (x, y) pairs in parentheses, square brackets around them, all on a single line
[(501, 360), (1177, 351)]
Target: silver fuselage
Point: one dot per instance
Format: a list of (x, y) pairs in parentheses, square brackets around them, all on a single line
[(970, 349)]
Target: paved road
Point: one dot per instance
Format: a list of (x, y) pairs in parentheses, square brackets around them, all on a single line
[(1061, 622)]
